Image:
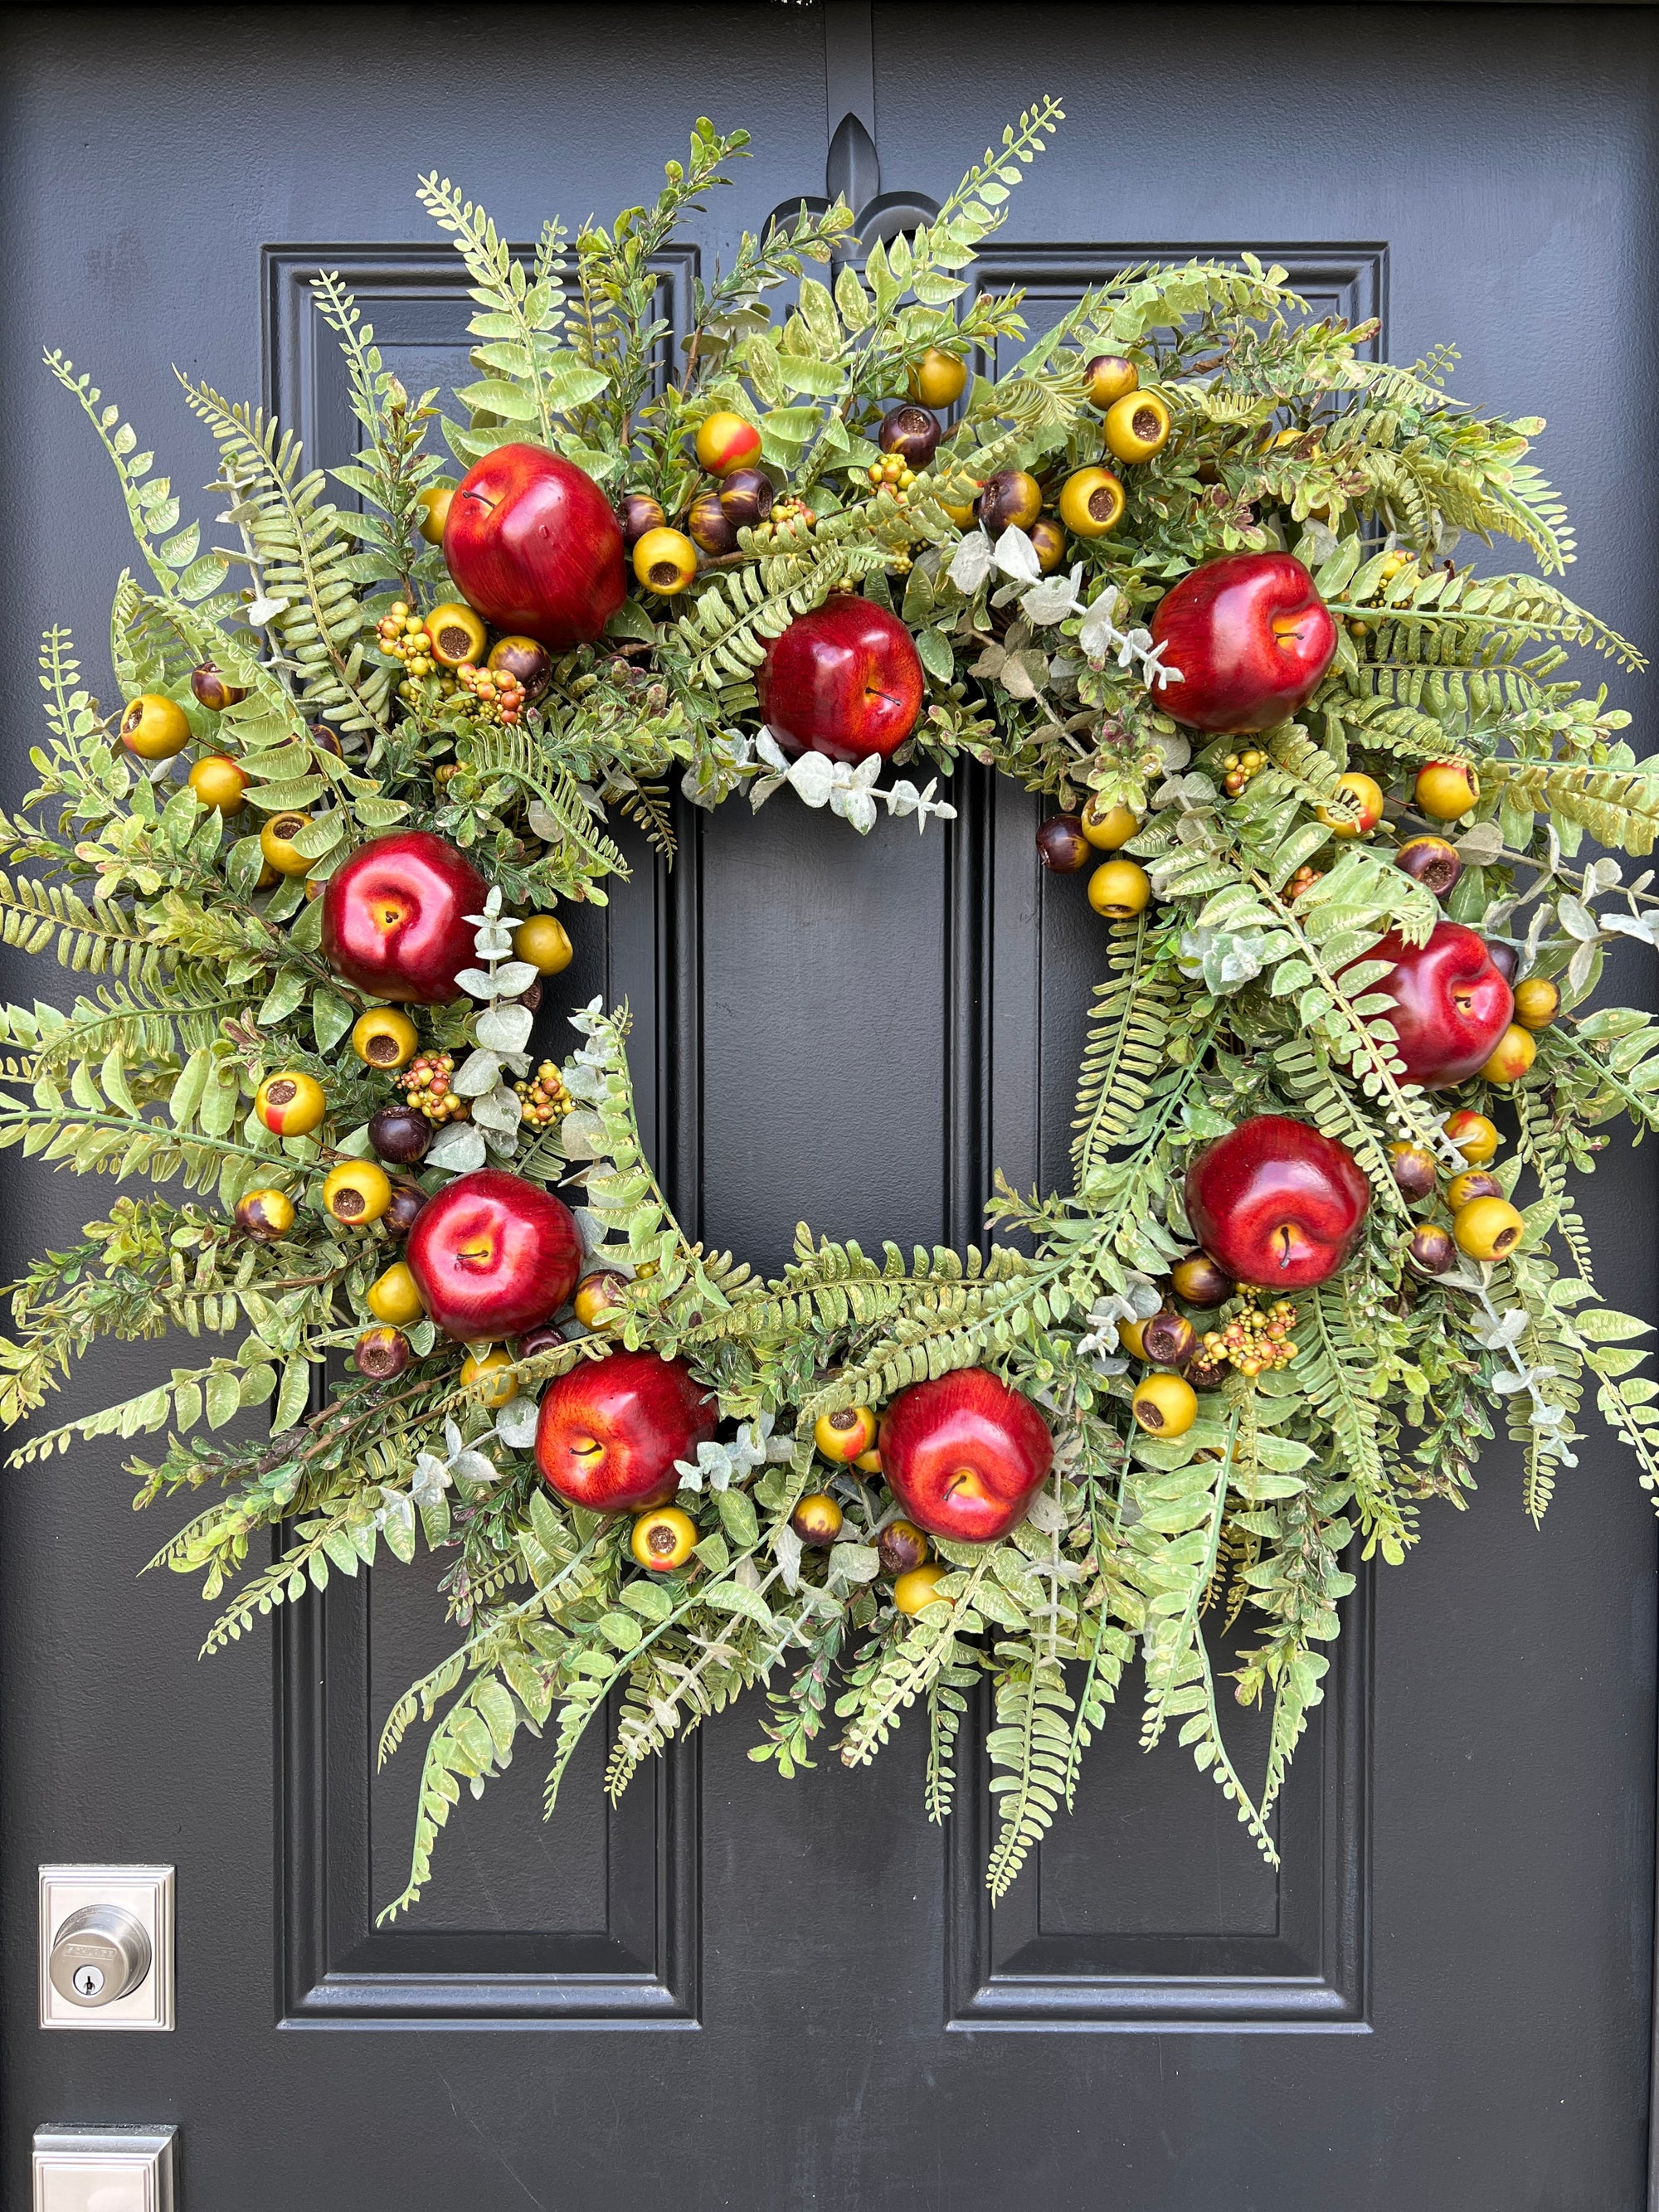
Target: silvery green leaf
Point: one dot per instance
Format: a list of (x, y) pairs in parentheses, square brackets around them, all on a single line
[(458, 1150), (768, 749), (431, 1481), (854, 807), (582, 1082), (1576, 919), (1501, 1330), (507, 1028), (593, 1228), (451, 1434), (1579, 967), (763, 789), (494, 941), (396, 1505), (1052, 600), (261, 610), (813, 777), (478, 1073), (970, 564), (517, 975), (1644, 925), (515, 1424), (478, 983), (544, 822), (500, 1108), (1044, 1514), (855, 1563), (582, 1134), (788, 1547), (1016, 556), (1506, 1382), (1173, 751), (1484, 842), (472, 1466)]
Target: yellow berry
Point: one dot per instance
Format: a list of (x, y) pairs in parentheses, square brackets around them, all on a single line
[(918, 1587), (489, 1377), (1119, 889), (356, 1192), (663, 1539), (385, 1037), (395, 1295)]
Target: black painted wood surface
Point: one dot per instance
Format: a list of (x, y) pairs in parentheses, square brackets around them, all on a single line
[(733, 1992)]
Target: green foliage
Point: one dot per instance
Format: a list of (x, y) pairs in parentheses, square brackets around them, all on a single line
[(1246, 986)]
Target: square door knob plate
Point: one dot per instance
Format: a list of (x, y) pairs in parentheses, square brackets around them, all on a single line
[(103, 2170), (107, 1948)]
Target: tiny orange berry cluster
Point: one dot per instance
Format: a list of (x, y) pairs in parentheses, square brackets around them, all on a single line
[(545, 1099), (1303, 880), (1254, 1342), (425, 1083), (501, 696)]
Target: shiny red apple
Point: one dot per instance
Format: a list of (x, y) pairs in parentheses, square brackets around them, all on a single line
[(492, 1256), (1251, 637), (535, 547), (612, 1430), (1451, 1003), (964, 1454), (395, 917), (1276, 1203), (843, 680)]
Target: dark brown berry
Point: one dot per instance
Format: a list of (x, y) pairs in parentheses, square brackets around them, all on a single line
[(912, 433), (707, 523), (1168, 1339), (900, 1547), (1432, 862), (1432, 1249), (637, 511), (380, 1353), (1062, 845), (746, 497), (1199, 1282), (405, 1202), (400, 1134)]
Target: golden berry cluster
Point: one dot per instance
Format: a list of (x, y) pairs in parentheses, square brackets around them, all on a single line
[(545, 1099), (793, 510), (1254, 1340), (500, 695), (404, 636), (1238, 768), (1303, 880), (893, 468), (425, 1083)]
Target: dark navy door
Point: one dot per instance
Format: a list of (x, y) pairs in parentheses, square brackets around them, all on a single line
[(733, 1991)]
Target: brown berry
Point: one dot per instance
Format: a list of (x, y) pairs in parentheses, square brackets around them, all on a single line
[(900, 1547), (1062, 846)]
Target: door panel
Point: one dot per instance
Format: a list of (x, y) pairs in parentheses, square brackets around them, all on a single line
[(1441, 2003)]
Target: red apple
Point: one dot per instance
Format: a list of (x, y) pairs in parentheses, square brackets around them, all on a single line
[(1452, 1004), (492, 1256), (843, 680), (612, 1430), (1251, 637), (964, 1454), (394, 917), (1277, 1203), (535, 547)]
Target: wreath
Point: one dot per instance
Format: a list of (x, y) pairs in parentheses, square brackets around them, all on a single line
[(1187, 568)]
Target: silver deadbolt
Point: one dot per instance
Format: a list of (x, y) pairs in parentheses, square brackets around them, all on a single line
[(100, 1954)]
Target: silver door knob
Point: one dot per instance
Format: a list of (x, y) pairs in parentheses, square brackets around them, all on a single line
[(100, 1952)]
